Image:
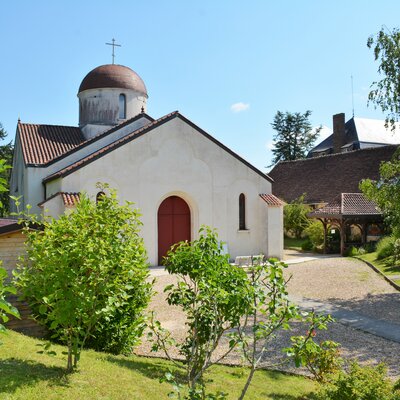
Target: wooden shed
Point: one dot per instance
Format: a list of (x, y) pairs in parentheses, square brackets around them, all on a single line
[(12, 246)]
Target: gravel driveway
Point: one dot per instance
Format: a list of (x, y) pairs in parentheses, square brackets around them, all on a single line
[(344, 282)]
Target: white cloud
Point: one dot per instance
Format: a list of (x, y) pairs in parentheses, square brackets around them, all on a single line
[(239, 107)]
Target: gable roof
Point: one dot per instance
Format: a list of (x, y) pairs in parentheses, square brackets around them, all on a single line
[(43, 145), (346, 205), (363, 130), (139, 132), (324, 178)]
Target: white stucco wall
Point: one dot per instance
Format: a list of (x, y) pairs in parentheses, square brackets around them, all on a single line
[(101, 107), (175, 159), (274, 224)]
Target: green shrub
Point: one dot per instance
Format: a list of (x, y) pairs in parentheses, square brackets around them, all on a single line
[(86, 275), (307, 245), (385, 247), (315, 233), (351, 251), (295, 218), (361, 251), (370, 247), (360, 383)]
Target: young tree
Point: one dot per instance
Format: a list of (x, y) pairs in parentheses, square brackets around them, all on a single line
[(385, 93), (83, 268), (386, 192), (295, 219), (295, 136), (213, 294), (6, 154)]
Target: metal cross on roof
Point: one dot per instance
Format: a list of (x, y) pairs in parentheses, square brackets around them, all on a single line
[(113, 44)]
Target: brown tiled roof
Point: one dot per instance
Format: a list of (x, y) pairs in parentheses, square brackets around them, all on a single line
[(271, 200), (43, 143), (139, 132), (324, 178), (356, 203), (70, 199), (347, 204), (41, 152), (332, 208)]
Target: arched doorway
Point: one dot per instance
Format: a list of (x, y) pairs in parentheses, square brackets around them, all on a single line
[(173, 224)]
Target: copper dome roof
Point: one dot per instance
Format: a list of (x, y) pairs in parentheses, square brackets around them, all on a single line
[(113, 76)]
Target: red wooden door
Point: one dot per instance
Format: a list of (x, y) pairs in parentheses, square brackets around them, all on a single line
[(173, 224)]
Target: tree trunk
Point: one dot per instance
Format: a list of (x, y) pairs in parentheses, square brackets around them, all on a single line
[(246, 386), (69, 361)]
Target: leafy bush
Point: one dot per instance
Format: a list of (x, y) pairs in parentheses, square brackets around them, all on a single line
[(84, 271), (6, 308), (385, 247), (351, 251), (315, 232), (307, 245), (320, 359), (360, 383), (295, 218)]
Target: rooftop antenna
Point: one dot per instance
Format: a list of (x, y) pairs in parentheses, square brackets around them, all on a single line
[(352, 94), (113, 44)]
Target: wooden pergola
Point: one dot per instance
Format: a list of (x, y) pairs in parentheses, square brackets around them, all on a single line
[(349, 209)]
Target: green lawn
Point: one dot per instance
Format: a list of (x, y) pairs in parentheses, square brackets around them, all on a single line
[(390, 269), (25, 374), (293, 243)]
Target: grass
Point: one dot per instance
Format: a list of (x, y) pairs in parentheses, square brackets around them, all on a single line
[(293, 243), (25, 374), (385, 265)]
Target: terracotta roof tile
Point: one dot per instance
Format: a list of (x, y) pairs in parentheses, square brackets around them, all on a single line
[(272, 200), (333, 208), (70, 199), (324, 178), (347, 204), (356, 203), (43, 143)]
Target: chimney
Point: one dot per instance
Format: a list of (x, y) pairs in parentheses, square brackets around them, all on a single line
[(339, 133)]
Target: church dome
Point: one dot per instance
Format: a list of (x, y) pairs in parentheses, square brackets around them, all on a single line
[(113, 76)]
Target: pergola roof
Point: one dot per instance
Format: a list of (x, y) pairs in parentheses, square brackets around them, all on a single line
[(347, 205)]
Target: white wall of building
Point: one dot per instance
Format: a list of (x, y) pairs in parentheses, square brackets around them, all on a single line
[(175, 159)]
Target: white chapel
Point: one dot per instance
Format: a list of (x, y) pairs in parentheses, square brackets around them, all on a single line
[(178, 175)]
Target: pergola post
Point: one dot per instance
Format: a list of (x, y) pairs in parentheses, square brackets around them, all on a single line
[(342, 236), (364, 232)]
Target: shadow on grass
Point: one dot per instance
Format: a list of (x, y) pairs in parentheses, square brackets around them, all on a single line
[(15, 372), (279, 396), (150, 367)]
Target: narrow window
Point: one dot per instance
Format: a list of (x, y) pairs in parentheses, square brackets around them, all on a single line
[(242, 212), (122, 106), (99, 196)]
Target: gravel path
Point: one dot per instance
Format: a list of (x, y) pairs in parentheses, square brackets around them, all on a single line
[(347, 283), (344, 282)]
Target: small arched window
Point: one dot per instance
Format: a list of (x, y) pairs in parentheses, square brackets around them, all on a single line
[(242, 212), (99, 196), (122, 106)]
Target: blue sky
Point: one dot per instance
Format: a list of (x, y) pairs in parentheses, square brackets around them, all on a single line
[(201, 58)]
